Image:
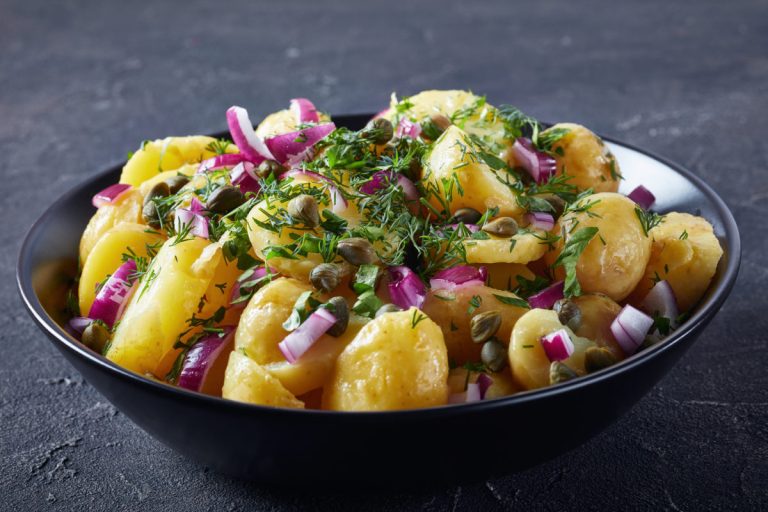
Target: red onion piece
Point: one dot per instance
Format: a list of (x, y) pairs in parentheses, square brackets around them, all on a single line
[(547, 297), (295, 147), (473, 228), (381, 114), (557, 345), (642, 196), (299, 341), (538, 164), (220, 162), (193, 218), (338, 201), (244, 136), (113, 296), (383, 178), (442, 284), (405, 288), (473, 393), (110, 195), (258, 273), (242, 176), (661, 301), (407, 128), (461, 274), (77, 325), (630, 327), (304, 111), (484, 381), (202, 356), (540, 220)]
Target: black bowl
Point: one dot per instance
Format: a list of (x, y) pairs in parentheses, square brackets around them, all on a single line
[(392, 448)]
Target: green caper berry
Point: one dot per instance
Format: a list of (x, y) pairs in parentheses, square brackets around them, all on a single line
[(467, 216), (304, 208), (176, 183), (338, 306), (159, 190), (151, 215), (557, 204), (494, 355), (440, 121), (387, 308), (560, 372), (484, 325), (568, 313), (325, 277), (505, 227), (95, 336), (379, 131), (267, 167), (225, 199), (597, 358), (357, 251)]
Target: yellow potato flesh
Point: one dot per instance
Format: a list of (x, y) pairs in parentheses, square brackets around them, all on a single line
[(585, 158), (521, 248), (106, 257), (504, 276), (163, 300), (597, 314), (247, 381), (397, 361), (127, 208), (282, 121)]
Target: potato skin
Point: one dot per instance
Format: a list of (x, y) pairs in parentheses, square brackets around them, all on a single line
[(586, 158), (391, 364), (615, 267), (247, 381), (504, 276), (527, 247), (597, 314), (527, 359), (126, 209), (687, 262)]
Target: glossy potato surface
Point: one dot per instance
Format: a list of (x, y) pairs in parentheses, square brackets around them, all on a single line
[(247, 381), (160, 155), (597, 314), (586, 158), (521, 248), (126, 209), (504, 276), (282, 121), (395, 362)]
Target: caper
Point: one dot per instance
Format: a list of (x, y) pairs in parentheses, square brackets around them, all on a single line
[(338, 307), (357, 251), (597, 358), (304, 208), (494, 355), (325, 277), (225, 199), (560, 372), (568, 313), (387, 308), (379, 131), (557, 204), (176, 183), (440, 121), (484, 325), (95, 336), (267, 167), (503, 226), (151, 215), (467, 216), (414, 169), (159, 190)]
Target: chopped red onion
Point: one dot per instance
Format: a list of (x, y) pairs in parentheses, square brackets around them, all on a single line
[(461, 274), (538, 164), (304, 111), (473, 228), (242, 176), (244, 136), (472, 394), (113, 296), (547, 297), (540, 220), (661, 301), (405, 288), (220, 162), (77, 325), (202, 356), (295, 147), (191, 217), (299, 341), (110, 195), (257, 274), (484, 381), (383, 178), (557, 345), (630, 327), (642, 196), (407, 128)]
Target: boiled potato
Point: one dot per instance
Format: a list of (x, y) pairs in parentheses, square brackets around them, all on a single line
[(106, 257), (504, 276), (163, 301), (521, 248), (503, 384), (167, 154), (685, 252), (455, 172), (283, 121), (247, 381), (450, 310), (397, 361), (597, 314), (127, 208), (527, 359), (584, 156), (615, 259)]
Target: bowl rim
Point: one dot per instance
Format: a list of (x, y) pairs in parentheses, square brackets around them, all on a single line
[(704, 311)]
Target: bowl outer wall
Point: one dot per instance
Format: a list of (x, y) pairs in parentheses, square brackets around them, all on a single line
[(428, 445)]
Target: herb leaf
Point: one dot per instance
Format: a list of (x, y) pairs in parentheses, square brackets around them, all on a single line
[(568, 259)]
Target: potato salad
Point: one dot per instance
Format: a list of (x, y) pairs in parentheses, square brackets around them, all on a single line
[(448, 252)]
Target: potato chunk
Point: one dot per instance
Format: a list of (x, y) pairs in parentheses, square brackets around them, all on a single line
[(584, 156), (527, 359), (283, 121), (247, 381), (165, 155), (614, 260), (597, 314), (397, 361), (126, 209), (521, 248), (685, 253)]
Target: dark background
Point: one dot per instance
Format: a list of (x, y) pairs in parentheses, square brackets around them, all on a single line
[(82, 83)]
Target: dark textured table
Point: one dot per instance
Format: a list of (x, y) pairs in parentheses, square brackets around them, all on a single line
[(82, 82)]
